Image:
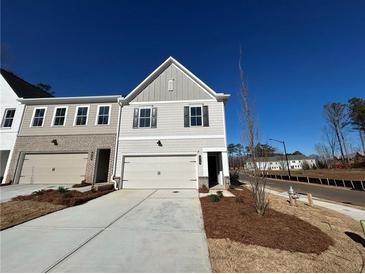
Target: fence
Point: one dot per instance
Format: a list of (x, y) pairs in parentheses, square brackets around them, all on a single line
[(354, 184)]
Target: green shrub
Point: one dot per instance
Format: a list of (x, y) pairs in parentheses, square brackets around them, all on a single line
[(38, 192), (214, 198), (220, 194), (62, 189)]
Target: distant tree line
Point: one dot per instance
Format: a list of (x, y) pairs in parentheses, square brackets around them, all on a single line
[(341, 118)]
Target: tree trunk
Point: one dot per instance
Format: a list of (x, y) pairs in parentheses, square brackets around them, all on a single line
[(344, 146), (362, 141), (339, 143)]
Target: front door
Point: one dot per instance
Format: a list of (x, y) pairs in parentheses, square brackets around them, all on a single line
[(212, 170)]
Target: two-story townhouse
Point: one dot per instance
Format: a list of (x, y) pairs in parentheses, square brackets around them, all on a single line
[(172, 132), (12, 87), (66, 140)]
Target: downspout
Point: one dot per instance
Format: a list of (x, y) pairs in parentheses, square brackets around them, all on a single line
[(116, 187)]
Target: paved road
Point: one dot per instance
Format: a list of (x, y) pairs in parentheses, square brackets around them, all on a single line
[(124, 231), (345, 196)]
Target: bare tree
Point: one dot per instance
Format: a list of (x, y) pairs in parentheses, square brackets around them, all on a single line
[(330, 138), (324, 153), (258, 180), (336, 116)]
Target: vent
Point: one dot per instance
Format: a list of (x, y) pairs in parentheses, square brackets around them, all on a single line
[(170, 85)]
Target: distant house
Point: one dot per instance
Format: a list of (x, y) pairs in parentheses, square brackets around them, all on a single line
[(296, 162), (11, 111)]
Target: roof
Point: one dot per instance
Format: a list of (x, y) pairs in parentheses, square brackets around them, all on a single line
[(76, 100), (161, 68), (22, 88)]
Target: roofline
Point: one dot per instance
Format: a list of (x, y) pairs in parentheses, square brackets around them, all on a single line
[(168, 62), (78, 99)]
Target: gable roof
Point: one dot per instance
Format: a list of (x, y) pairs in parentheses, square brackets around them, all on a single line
[(22, 88), (161, 68)]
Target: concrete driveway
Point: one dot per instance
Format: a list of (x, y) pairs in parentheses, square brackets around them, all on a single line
[(124, 231)]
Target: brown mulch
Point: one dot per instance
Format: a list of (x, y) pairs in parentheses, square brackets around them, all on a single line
[(17, 212), (67, 198), (237, 220), (82, 184)]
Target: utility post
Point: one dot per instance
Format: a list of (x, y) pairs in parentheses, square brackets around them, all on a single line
[(286, 155)]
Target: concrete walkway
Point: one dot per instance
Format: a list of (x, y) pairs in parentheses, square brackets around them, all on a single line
[(352, 212), (124, 231)]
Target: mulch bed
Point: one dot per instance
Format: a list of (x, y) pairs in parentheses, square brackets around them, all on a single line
[(237, 220), (67, 198), (82, 184)]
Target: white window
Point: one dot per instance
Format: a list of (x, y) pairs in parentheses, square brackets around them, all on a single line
[(144, 117), (195, 116), (38, 117), (81, 115), (8, 117), (59, 116), (102, 117)]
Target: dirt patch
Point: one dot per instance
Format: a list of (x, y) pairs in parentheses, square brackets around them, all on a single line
[(65, 197), (346, 174), (236, 219), (17, 212), (344, 255)]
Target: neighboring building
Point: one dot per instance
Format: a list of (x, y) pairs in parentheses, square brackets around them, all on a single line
[(172, 132), (11, 88), (279, 163), (65, 140)]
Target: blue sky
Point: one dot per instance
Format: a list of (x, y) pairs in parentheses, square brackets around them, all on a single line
[(298, 55)]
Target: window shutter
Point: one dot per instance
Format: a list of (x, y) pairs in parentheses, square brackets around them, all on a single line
[(135, 118), (205, 116), (186, 117), (154, 118)]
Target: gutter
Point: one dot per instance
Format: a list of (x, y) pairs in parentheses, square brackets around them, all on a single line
[(116, 186)]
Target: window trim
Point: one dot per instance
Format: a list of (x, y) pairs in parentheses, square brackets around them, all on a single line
[(139, 116), (201, 114), (44, 116), (97, 115), (87, 116), (54, 116), (4, 118)]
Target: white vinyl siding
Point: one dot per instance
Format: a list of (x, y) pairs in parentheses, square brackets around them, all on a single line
[(171, 121)]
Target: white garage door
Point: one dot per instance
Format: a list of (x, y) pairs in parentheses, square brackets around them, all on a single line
[(53, 168), (160, 172)]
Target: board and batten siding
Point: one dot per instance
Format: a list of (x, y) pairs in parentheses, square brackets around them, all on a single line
[(69, 128), (170, 120), (184, 88)]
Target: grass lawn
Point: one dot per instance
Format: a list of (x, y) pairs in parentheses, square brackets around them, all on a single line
[(345, 174), (286, 239), (25, 208)]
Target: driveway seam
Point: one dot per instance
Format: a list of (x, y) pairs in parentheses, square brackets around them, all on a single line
[(96, 234)]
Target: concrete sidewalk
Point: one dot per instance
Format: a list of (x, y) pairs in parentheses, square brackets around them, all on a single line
[(352, 212), (124, 231)]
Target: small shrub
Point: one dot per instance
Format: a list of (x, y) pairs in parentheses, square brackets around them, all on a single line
[(203, 189), (38, 192), (220, 194), (213, 198), (62, 189)]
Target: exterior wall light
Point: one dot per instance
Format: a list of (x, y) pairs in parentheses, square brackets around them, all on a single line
[(159, 143), (54, 141), (200, 159)]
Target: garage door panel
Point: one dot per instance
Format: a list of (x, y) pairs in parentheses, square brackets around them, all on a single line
[(160, 172), (53, 168)]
